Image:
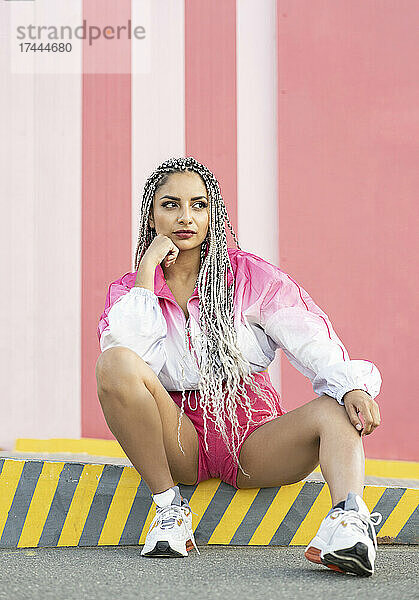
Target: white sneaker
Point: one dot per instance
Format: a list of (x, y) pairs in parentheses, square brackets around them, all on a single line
[(346, 539), (187, 512), (170, 533)]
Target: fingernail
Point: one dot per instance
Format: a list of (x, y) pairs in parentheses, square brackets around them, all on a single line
[(358, 426)]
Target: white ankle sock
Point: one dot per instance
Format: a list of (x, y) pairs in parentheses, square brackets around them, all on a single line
[(165, 498)]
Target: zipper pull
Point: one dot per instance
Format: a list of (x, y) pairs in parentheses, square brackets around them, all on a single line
[(187, 332), (189, 339)]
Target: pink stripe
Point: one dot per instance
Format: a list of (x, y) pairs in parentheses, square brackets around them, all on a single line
[(299, 289), (372, 366), (328, 331), (106, 189), (324, 320), (210, 94)]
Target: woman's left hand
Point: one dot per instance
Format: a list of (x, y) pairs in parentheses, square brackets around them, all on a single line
[(358, 402)]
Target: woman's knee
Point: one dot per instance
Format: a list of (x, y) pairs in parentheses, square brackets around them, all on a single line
[(331, 414), (325, 403), (118, 368), (326, 409)]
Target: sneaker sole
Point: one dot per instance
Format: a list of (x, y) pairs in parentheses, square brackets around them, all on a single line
[(350, 560), (313, 555), (162, 549)]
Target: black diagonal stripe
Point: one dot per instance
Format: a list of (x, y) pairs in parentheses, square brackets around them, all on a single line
[(214, 512), (20, 505), (67, 484), (100, 505), (387, 503), (254, 516), (409, 534), (186, 491), (137, 516), (298, 511)]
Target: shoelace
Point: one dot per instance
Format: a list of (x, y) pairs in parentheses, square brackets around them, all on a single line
[(363, 522), (191, 530), (169, 514)]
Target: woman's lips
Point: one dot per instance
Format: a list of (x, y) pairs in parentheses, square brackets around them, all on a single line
[(184, 235)]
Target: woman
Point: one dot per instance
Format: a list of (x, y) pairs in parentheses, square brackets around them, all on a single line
[(186, 340)]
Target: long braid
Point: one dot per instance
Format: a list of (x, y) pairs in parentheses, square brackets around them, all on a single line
[(224, 371)]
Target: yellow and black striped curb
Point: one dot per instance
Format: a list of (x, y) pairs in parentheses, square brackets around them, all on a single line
[(52, 503)]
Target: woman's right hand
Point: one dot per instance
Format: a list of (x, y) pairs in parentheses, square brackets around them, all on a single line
[(161, 248)]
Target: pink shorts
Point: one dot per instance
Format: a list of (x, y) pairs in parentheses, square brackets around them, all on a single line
[(218, 462)]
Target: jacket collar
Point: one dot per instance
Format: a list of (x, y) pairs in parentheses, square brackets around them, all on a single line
[(161, 288)]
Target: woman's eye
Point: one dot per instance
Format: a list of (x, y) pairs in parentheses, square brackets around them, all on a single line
[(204, 205)]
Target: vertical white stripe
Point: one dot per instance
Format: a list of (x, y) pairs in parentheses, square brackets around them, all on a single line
[(257, 154), (40, 174), (158, 98)]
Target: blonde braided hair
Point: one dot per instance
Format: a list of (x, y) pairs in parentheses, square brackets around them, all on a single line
[(225, 367)]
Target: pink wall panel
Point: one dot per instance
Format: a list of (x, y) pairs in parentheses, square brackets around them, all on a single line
[(348, 180), (106, 189), (210, 94)]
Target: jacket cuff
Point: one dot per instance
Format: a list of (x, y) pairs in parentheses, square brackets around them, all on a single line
[(142, 291), (343, 391)]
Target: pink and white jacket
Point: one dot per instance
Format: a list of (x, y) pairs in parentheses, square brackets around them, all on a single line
[(271, 311)]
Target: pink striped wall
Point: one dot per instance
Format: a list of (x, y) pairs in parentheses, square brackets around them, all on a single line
[(307, 115), (106, 188), (348, 180)]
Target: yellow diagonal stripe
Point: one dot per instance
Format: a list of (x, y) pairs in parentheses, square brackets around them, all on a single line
[(80, 505), (400, 514), (372, 494), (40, 504), (150, 516), (120, 506), (311, 522), (275, 514), (201, 498), (9, 478), (233, 516)]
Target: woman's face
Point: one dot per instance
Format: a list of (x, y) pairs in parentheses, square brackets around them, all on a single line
[(186, 208)]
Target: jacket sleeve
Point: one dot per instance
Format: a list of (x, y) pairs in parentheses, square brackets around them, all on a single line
[(304, 332), (133, 318)]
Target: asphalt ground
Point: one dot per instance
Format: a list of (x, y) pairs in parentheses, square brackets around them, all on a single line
[(242, 572)]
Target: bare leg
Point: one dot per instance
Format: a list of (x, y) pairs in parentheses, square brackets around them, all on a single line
[(145, 422), (287, 449), (341, 455)]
